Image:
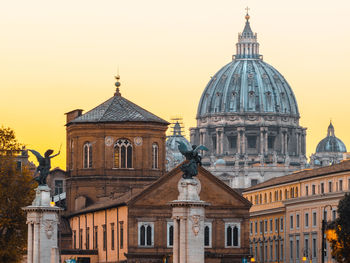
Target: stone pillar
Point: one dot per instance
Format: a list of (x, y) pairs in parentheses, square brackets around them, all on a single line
[(188, 212), (30, 243), (42, 220), (222, 142), (266, 141), (261, 140), (239, 142), (176, 241)]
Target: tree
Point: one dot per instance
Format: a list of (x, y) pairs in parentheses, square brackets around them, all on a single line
[(341, 244), (16, 191)]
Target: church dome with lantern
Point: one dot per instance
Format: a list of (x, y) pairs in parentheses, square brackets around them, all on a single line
[(248, 117)]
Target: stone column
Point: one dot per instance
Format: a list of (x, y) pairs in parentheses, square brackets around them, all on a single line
[(222, 142), (176, 241), (30, 242), (243, 140), (261, 140), (189, 241), (238, 141), (43, 237), (266, 141)]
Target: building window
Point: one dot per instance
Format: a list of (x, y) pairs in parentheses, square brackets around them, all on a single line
[(80, 238), (154, 156), (71, 154), (104, 234), (265, 198), (306, 219), (280, 194), (297, 223), (330, 187), (340, 185), (285, 194), (213, 138), (314, 217), (322, 188), (271, 252), (207, 234), (123, 154), (19, 166), (297, 248), (146, 234), (313, 189), (232, 234), (87, 162), (276, 196), (256, 227), (334, 214), (276, 251), (253, 182), (265, 225), (306, 245), (271, 227), (95, 237), (281, 252), (251, 228), (261, 227), (251, 142), (270, 197), (314, 248), (121, 233), (276, 225), (112, 236), (296, 192), (291, 249), (87, 245), (233, 142), (58, 187), (291, 222), (281, 223), (170, 234), (74, 239), (270, 142), (306, 190)]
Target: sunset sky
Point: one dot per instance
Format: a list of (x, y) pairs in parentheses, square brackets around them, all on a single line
[(57, 56)]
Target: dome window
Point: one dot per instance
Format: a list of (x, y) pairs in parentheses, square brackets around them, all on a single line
[(251, 93), (87, 148), (154, 156), (123, 154)]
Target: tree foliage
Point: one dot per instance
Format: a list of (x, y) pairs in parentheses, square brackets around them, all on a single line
[(16, 191), (341, 245)]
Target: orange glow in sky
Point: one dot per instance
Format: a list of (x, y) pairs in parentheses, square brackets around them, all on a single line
[(57, 56)]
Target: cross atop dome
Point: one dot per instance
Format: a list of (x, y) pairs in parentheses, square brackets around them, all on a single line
[(247, 46)]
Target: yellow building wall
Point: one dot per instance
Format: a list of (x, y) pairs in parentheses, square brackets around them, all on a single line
[(117, 217)]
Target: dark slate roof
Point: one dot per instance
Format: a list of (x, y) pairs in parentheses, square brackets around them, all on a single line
[(302, 175), (118, 109)]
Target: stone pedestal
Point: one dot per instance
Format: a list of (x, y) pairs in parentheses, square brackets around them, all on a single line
[(188, 213), (42, 220)]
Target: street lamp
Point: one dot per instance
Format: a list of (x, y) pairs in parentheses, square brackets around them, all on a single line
[(306, 254), (324, 224)]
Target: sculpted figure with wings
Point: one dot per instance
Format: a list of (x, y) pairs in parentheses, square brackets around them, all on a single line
[(190, 168), (44, 165)]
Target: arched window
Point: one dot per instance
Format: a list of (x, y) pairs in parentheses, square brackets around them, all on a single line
[(265, 198), (232, 234), (206, 236), (270, 198), (296, 192), (154, 156), (123, 154), (87, 155), (260, 199), (71, 151), (276, 196), (146, 234), (285, 194), (280, 194)]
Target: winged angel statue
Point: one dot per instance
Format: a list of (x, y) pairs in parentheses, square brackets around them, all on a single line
[(190, 168), (44, 165)]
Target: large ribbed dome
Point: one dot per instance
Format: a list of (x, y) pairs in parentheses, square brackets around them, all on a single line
[(330, 143), (247, 84)]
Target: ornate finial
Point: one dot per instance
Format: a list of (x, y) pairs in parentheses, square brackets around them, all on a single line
[(247, 15), (117, 84)]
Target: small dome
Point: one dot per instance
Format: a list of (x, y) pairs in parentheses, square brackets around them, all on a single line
[(173, 155), (330, 143)]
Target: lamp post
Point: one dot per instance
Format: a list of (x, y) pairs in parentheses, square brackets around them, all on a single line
[(306, 254), (324, 223)]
